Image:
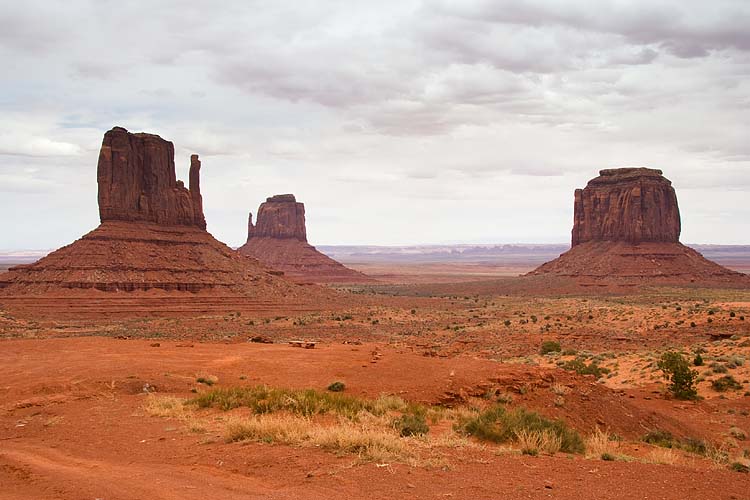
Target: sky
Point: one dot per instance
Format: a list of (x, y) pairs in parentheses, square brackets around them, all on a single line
[(395, 122)]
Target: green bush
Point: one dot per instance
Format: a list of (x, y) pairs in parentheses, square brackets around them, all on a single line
[(698, 360), (579, 366), (660, 438), (725, 383), (499, 425), (549, 346), (739, 467), (681, 378), (336, 386), (665, 439), (411, 425)]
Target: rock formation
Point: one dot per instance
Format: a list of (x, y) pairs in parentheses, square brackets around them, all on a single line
[(627, 225), (137, 182), (626, 204), (280, 217), (279, 240), (152, 234)]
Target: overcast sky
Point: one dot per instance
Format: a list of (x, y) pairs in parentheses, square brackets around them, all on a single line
[(395, 122)]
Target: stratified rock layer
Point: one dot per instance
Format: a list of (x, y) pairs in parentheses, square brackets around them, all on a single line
[(626, 204), (279, 240), (152, 234), (627, 226)]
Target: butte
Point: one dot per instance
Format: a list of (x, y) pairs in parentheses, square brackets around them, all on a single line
[(279, 240), (152, 241), (627, 227)]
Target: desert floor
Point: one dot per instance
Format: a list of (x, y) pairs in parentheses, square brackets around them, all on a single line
[(121, 398)]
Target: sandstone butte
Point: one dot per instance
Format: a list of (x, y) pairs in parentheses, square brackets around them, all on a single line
[(279, 240), (152, 234), (626, 224)]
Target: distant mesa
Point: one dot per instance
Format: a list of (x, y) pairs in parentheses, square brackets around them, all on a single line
[(152, 234), (279, 240), (627, 225)]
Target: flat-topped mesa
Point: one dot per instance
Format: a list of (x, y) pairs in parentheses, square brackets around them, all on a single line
[(137, 181), (280, 217), (626, 204)]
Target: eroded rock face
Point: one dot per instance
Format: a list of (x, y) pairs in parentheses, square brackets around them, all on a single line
[(626, 204), (281, 217), (137, 182)]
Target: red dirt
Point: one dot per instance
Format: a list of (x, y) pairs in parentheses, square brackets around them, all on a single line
[(72, 427)]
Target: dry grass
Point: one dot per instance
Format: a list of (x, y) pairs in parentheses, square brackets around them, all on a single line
[(369, 442), (532, 442), (665, 456), (165, 406), (601, 443), (560, 389)]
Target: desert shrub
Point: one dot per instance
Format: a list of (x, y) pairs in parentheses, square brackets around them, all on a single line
[(681, 378), (336, 386), (579, 366), (411, 425), (737, 433), (209, 381), (506, 322), (725, 383), (698, 360), (549, 346), (665, 439), (718, 367), (660, 438), (739, 467), (499, 425)]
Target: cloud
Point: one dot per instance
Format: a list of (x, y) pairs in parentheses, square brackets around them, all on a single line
[(452, 110)]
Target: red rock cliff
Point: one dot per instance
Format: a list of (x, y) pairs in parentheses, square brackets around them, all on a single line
[(281, 217), (137, 181), (626, 204)]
